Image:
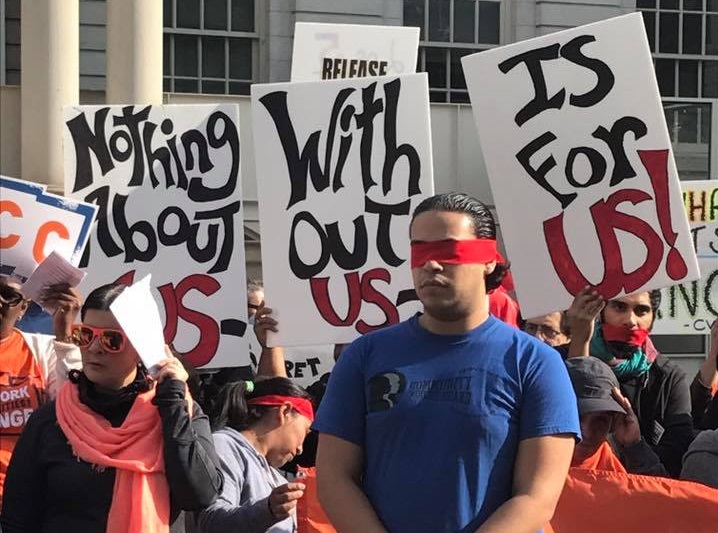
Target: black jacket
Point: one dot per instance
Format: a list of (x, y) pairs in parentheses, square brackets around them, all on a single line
[(661, 400), (48, 490)]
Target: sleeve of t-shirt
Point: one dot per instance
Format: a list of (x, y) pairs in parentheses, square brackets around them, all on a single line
[(343, 408), (549, 404)]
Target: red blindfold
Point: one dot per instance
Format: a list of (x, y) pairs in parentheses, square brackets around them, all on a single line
[(300, 405), (470, 251), (634, 337)]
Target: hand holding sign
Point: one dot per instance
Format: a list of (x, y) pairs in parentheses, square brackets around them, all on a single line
[(170, 368), (136, 311)]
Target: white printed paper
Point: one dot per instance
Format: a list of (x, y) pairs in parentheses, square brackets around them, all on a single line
[(136, 311)]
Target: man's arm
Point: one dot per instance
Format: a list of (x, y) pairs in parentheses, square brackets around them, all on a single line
[(271, 360), (339, 471), (539, 474)]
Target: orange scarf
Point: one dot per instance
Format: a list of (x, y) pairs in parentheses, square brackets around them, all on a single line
[(140, 498), (602, 459)]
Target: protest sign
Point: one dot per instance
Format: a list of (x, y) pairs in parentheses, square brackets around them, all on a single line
[(691, 308), (166, 180), (306, 364), (341, 165), (580, 164), (334, 51), (36, 223)]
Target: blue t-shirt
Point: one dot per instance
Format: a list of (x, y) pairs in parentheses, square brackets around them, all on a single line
[(440, 417)]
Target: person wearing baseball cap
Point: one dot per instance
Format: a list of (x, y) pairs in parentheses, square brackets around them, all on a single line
[(604, 411)]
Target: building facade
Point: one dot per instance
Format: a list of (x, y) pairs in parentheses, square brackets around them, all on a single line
[(221, 47)]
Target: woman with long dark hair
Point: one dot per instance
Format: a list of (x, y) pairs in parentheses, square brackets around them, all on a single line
[(116, 451), (259, 427)]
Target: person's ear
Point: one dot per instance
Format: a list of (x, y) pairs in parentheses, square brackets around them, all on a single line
[(490, 267), (285, 413)]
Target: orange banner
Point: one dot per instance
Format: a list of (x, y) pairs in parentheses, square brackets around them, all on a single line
[(310, 515), (598, 501)]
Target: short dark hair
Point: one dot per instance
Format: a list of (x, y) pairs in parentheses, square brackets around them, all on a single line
[(655, 296), (481, 219), (101, 298), (230, 407)]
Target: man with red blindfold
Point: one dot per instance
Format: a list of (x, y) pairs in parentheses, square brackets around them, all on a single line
[(618, 334), (452, 421)]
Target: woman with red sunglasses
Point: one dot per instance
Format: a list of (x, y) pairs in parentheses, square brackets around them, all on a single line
[(32, 366), (117, 451)]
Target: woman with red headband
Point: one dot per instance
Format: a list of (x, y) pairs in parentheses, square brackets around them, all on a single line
[(263, 426), (116, 451)]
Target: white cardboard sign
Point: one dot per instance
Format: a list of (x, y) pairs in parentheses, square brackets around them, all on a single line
[(580, 164), (335, 51), (167, 183), (337, 184), (35, 223), (690, 308)]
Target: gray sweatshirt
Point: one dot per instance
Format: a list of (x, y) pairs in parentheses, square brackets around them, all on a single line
[(700, 463), (243, 505)]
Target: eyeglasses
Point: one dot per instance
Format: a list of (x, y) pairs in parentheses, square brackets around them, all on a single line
[(254, 306), (10, 296), (112, 340), (546, 331)]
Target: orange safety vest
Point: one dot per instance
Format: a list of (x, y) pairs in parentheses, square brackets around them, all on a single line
[(22, 390)]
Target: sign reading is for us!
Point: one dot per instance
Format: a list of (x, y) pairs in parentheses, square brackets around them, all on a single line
[(580, 164), (340, 167), (167, 183)]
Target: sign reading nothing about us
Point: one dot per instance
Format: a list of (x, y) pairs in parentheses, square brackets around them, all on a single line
[(166, 181)]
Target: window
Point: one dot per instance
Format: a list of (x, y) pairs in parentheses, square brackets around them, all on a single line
[(210, 46), (449, 30), (683, 36), (10, 42)]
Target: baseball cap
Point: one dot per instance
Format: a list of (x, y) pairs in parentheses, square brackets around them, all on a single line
[(593, 381)]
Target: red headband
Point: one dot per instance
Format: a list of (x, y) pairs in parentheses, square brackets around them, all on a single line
[(300, 405), (634, 337), (454, 252)]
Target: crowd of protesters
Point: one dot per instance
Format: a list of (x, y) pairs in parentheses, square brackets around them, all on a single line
[(453, 421)]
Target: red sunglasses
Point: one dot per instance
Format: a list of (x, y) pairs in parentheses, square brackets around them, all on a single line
[(111, 340)]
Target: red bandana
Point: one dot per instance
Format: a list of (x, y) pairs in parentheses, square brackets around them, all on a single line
[(634, 337), (454, 252), (300, 405)]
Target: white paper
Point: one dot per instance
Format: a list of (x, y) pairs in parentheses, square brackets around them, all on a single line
[(136, 311), (54, 270)]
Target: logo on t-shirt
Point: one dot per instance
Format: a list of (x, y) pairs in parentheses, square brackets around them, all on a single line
[(384, 390), (18, 399)]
